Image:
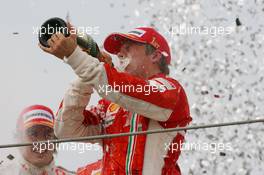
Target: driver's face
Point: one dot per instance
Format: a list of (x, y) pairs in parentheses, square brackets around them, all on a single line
[(30, 153), (136, 54)]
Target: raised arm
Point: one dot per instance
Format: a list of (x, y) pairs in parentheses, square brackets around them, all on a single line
[(72, 119)]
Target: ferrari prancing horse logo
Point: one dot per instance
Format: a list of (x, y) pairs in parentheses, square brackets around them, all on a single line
[(113, 107)]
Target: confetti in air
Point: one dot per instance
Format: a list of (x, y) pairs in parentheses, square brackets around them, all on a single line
[(222, 75)]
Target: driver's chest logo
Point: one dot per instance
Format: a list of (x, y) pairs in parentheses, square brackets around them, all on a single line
[(113, 108), (110, 114)]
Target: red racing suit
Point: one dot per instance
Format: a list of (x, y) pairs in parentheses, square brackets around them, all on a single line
[(91, 169), (157, 103)]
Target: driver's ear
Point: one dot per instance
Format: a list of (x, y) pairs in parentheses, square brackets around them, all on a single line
[(155, 56)]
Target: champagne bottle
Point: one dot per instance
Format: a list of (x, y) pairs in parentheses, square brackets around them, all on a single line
[(85, 41)]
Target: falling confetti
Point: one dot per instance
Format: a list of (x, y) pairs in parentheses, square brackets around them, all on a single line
[(229, 66), (238, 23), (10, 157)]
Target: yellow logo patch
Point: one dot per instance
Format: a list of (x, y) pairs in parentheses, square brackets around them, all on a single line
[(113, 107)]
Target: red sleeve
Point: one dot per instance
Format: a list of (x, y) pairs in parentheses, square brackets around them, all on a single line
[(167, 99), (168, 105)]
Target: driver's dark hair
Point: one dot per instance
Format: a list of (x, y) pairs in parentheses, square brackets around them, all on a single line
[(164, 68)]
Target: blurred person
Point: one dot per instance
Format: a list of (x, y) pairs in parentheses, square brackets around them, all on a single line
[(35, 123), (156, 101)]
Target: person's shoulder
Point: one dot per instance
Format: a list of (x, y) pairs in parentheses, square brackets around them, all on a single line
[(173, 81), (62, 170), (167, 82)]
